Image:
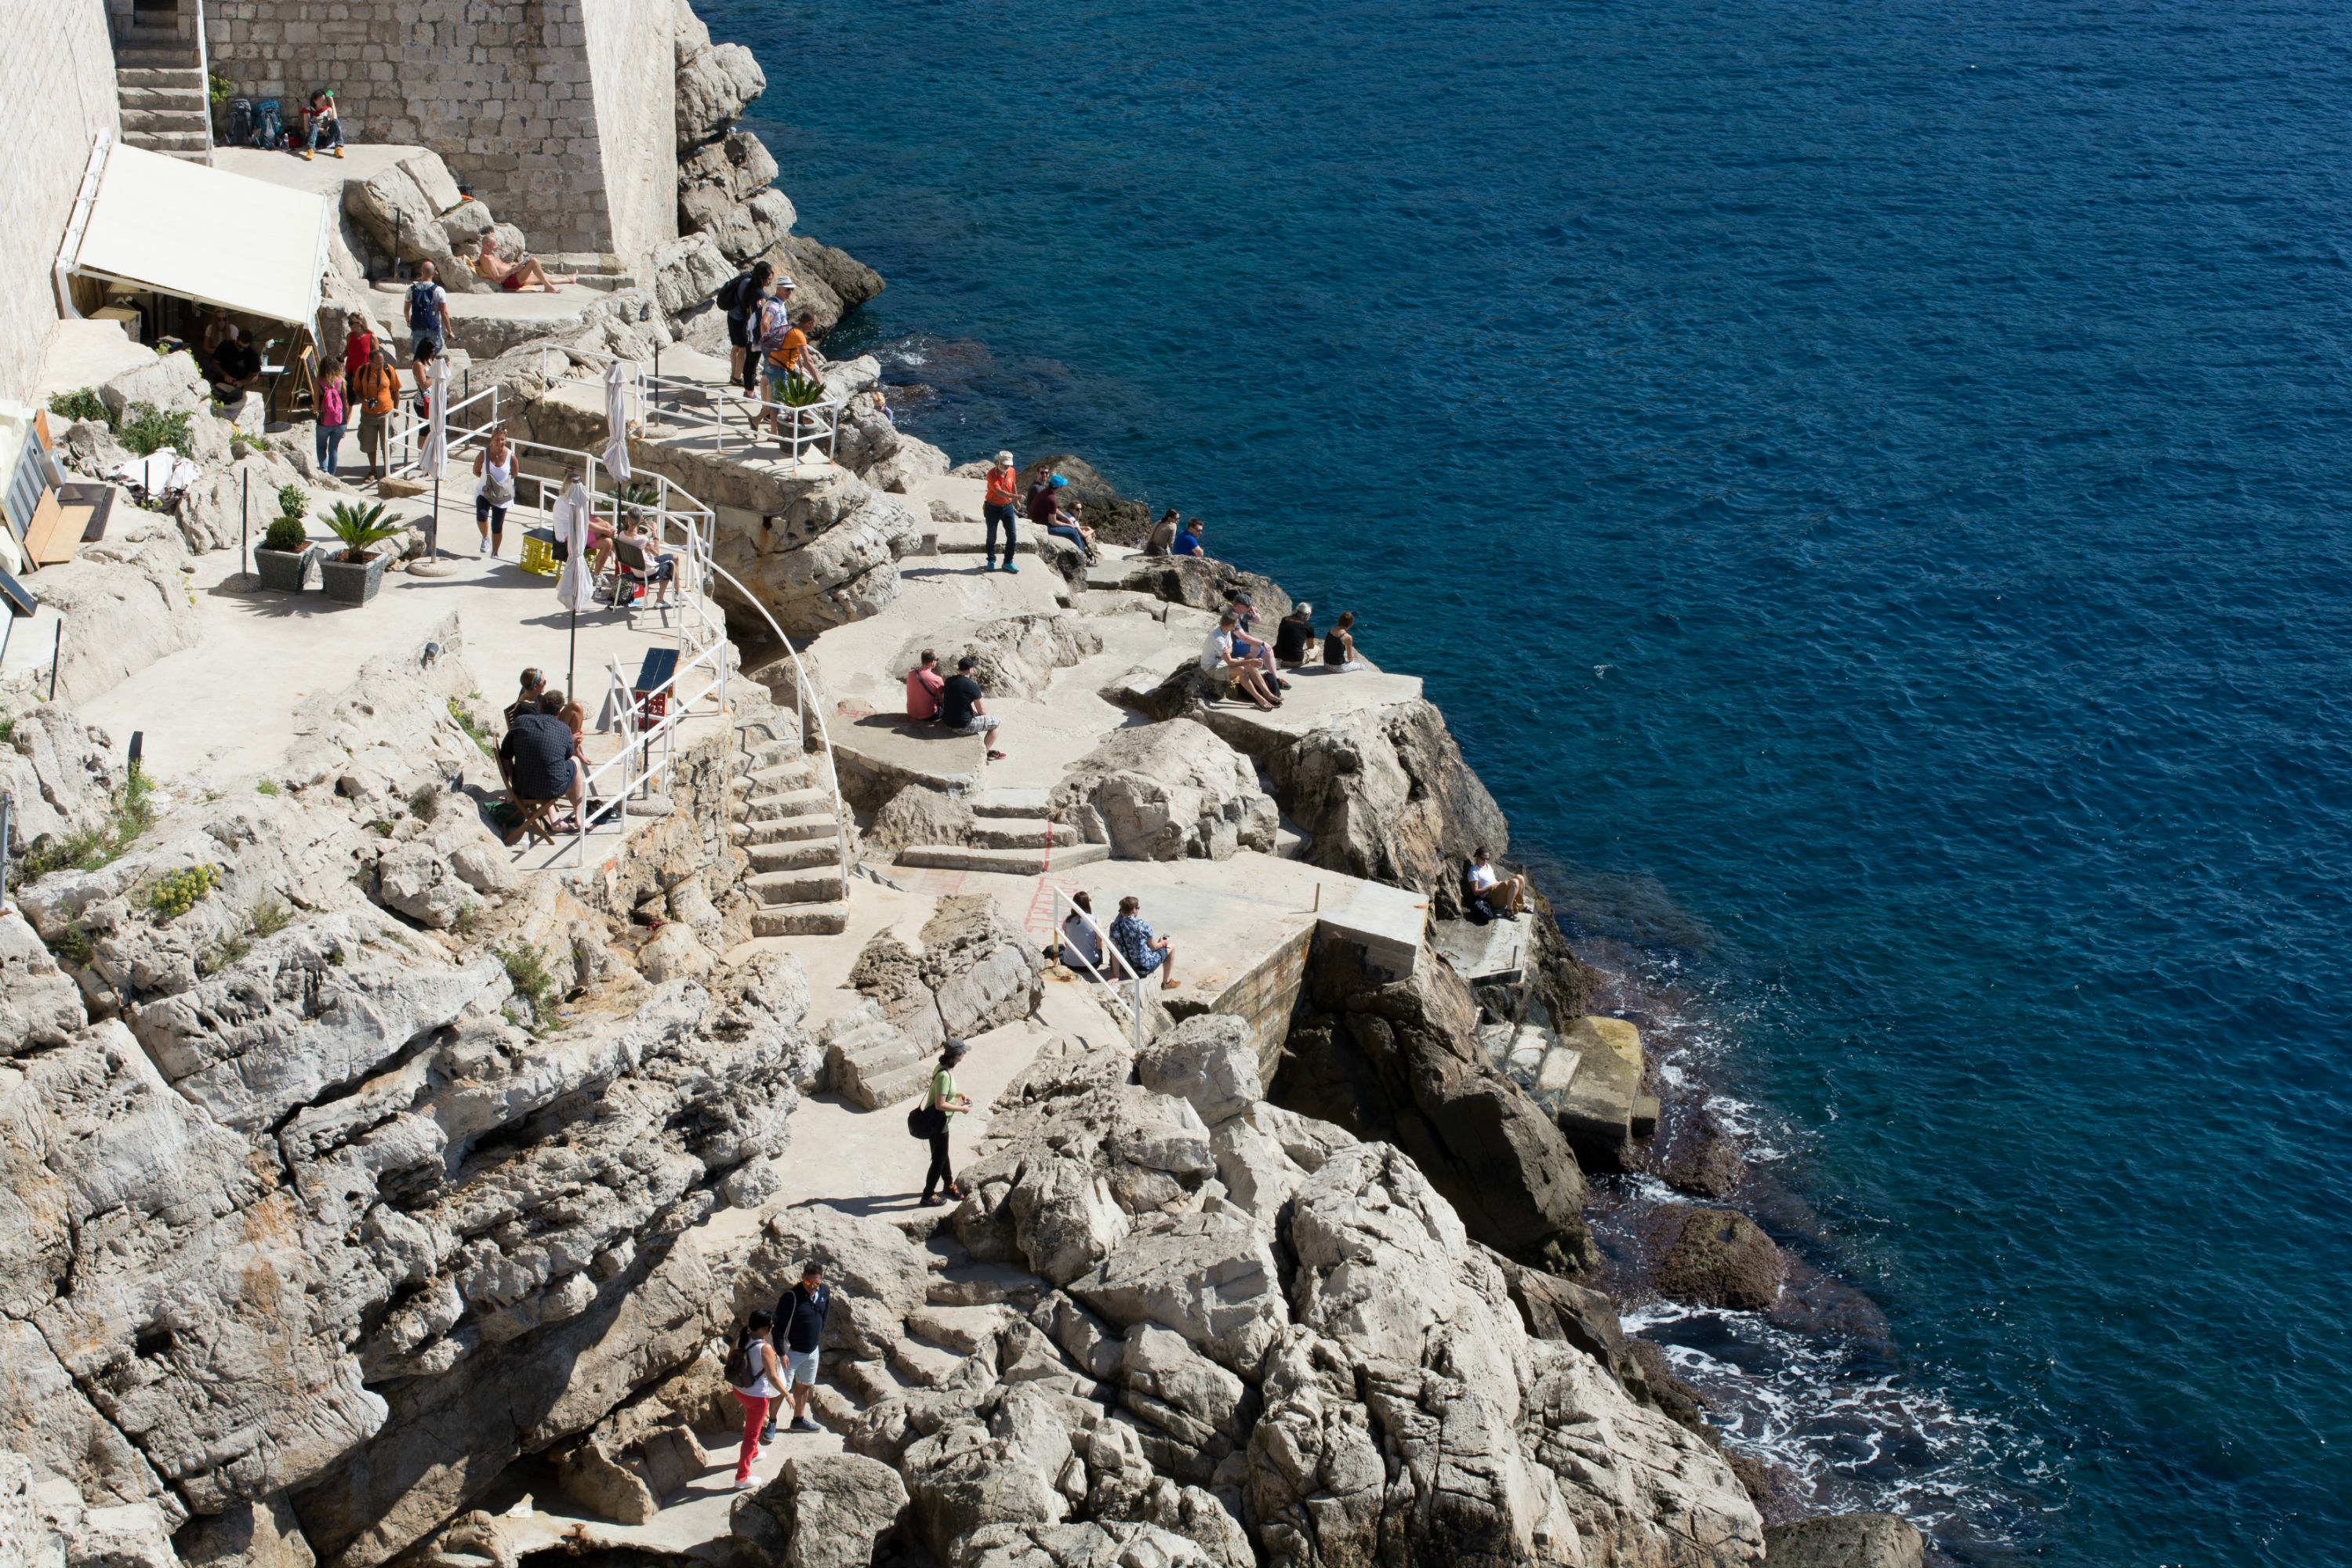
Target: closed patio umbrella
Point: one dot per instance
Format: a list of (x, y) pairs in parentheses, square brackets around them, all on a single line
[(436, 458), (616, 455), (570, 521)]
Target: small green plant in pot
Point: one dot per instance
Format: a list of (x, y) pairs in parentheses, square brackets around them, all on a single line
[(353, 576), (802, 390), (284, 559)]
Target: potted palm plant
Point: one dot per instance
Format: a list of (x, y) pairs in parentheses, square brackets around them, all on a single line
[(283, 559), (353, 576)]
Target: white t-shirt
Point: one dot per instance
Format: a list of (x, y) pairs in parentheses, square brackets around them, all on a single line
[(1081, 937), (1482, 877), (1213, 651)]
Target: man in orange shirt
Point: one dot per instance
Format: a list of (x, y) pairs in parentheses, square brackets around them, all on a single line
[(1003, 485), (924, 684), (788, 358)]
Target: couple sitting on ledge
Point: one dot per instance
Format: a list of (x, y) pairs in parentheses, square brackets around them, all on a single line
[(955, 703)]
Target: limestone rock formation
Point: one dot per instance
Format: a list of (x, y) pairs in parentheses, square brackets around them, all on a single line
[(1845, 1541), (714, 86), (1398, 1060), (973, 970), (1017, 656), (171, 382), (126, 604), (399, 207), (827, 1511), (1720, 1258), (720, 175), (687, 271), (59, 773), (1167, 791)]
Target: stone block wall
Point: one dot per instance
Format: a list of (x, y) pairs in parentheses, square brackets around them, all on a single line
[(506, 91), (57, 93)]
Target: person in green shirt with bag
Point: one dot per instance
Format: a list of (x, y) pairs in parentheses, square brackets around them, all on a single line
[(930, 1121)]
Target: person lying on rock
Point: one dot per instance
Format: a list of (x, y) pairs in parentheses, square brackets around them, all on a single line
[(757, 1376), (799, 1328), (963, 711), (1222, 660), (1143, 952), (1502, 898), (514, 276), (924, 684)]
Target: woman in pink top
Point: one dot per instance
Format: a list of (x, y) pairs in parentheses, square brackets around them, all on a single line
[(334, 412)]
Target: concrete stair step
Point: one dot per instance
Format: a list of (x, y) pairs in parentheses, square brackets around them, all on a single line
[(1006, 862), (984, 1284), (801, 920), (960, 1330), (168, 140), (767, 806), (783, 778), (176, 77), (1009, 802), (925, 1366), (769, 755), (892, 1086), (136, 120), (786, 829), (1013, 833), (795, 855), (772, 887), (163, 100)]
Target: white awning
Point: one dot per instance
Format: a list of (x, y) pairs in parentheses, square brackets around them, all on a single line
[(206, 234)]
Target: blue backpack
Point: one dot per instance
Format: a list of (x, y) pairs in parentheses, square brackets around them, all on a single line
[(268, 130), (424, 314)]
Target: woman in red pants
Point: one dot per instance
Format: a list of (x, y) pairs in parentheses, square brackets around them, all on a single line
[(758, 1380)]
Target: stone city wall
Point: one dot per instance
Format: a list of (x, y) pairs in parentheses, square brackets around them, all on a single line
[(57, 93), (511, 93)]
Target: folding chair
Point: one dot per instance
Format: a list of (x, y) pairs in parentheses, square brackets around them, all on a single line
[(630, 570), (535, 820)]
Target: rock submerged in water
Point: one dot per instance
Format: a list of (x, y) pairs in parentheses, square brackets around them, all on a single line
[(1845, 1541), (1722, 1258)]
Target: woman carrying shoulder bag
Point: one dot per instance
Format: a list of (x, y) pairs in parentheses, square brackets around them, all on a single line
[(757, 1380), (930, 1121), (496, 466)]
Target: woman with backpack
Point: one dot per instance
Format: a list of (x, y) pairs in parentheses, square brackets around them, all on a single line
[(376, 386), (939, 1105), (494, 465), (757, 1380), (335, 412)]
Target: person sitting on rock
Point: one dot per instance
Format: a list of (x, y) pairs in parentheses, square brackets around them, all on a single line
[(1500, 898), (1081, 948), (1220, 659), (1045, 509), (1188, 542), (514, 276), (963, 711), (1163, 535), (1144, 952), (1294, 635), (924, 684), (1249, 645), (1340, 644), (800, 1318)]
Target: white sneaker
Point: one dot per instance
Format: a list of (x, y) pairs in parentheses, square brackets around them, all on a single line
[(485, 547)]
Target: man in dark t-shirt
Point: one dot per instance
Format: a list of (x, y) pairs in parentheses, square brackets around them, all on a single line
[(963, 711), (235, 366), (537, 756), (1294, 636)]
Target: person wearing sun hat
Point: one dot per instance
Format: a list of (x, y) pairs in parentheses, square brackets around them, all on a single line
[(996, 506), (943, 1103)]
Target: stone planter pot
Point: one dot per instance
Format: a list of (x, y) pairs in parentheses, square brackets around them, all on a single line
[(284, 570), (347, 583)]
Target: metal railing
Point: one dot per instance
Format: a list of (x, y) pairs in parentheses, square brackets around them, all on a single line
[(695, 406), (1137, 1004), (801, 707)]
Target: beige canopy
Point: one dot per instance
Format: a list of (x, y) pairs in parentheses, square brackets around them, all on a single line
[(206, 234)]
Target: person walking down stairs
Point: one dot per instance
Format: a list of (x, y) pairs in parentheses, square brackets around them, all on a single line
[(801, 1313), (757, 1378), (938, 1108)]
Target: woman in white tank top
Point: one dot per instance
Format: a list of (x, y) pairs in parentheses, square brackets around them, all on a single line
[(757, 1379), (494, 465)]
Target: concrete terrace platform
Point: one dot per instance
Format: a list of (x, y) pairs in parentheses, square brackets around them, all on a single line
[(222, 712)]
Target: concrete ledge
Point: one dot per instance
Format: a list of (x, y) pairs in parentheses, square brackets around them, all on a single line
[(882, 753)]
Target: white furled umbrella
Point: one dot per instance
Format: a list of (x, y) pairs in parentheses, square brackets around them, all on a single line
[(571, 522), (615, 456), (436, 457)]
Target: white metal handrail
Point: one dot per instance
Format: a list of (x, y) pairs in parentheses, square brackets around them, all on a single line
[(1110, 950), (812, 428)]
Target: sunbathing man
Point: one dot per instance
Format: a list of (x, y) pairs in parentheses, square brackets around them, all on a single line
[(514, 276)]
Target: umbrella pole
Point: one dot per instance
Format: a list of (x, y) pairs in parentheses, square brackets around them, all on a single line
[(571, 660)]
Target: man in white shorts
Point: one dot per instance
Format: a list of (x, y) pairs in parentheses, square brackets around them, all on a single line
[(799, 1329)]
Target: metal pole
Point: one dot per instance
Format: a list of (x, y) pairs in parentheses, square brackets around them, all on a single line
[(57, 656), (572, 659), (6, 803)]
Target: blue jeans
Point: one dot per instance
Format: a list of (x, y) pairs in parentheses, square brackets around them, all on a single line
[(330, 437), (1063, 531), (1008, 517), (329, 134)]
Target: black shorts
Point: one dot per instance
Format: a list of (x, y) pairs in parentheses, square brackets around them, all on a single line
[(739, 330)]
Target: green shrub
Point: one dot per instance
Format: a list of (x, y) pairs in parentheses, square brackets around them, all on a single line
[(426, 804), (534, 986), (145, 429), (180, 891), (802, 391), (286, 534), (72, 945), (92, 847), (266, 786), (293, 500), (80, 403), (466, 721), (269, 917)]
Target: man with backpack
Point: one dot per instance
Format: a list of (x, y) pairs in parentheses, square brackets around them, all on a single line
[(428, 314), (801, 1313), (740, 297), (785, 349)]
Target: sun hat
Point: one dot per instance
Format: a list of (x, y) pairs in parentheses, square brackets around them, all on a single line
[(957, 1048), (1006, 458)]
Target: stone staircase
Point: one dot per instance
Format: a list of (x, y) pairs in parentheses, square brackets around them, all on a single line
[(1011, 834), (160, 79), (869, 1062), (784, 821)]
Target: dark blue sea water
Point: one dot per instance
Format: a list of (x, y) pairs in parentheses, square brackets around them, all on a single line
[(1867, 485)]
